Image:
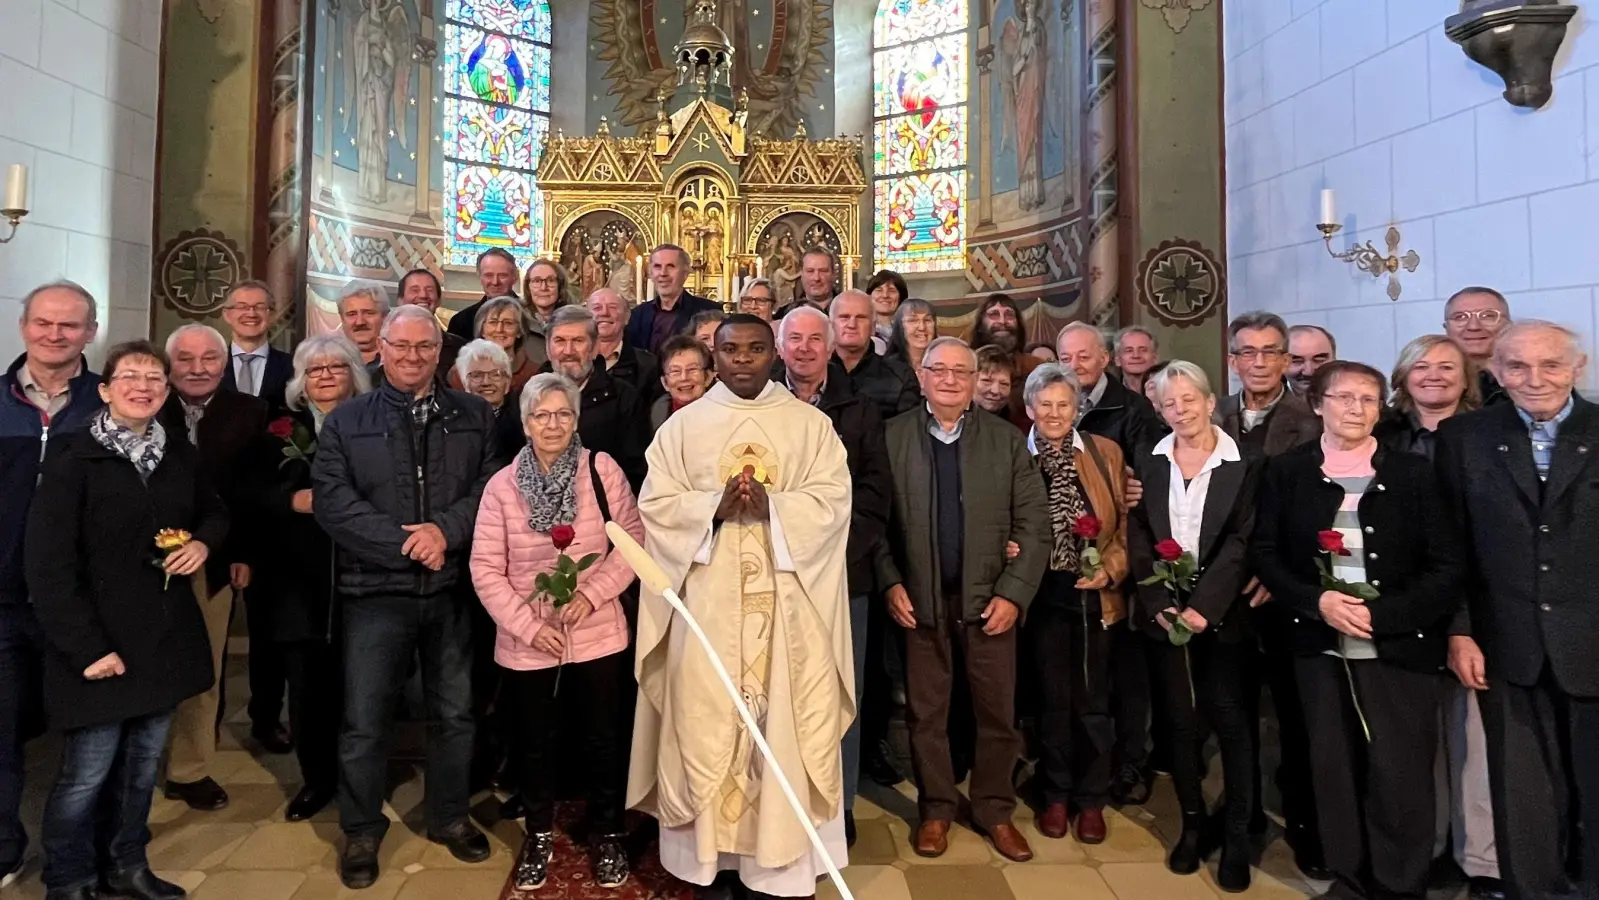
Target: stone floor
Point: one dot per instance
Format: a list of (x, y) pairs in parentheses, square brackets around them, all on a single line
[(248, 852)]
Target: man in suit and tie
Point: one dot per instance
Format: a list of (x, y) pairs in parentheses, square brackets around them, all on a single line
[(222, 425), (1265, 418), (1521, 478), (255, 367)]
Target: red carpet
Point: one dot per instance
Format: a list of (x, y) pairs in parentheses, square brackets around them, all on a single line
[(572, 878)]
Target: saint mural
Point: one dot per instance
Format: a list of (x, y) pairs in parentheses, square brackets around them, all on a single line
[(1025, 51), (377, 95)]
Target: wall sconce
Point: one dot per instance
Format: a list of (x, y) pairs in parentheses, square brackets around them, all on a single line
[(1366, 257), (1517, 40), (15, 205)]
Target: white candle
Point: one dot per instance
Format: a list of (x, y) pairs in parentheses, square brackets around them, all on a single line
[(16, 187), (638, 280), (759, 265), (849, 271), (1329, 209)]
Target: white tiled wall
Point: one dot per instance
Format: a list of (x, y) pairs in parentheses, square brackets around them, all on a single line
[(1370, 98), (78, 86)]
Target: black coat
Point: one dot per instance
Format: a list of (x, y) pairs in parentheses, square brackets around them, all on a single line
[(641, 327), (1223, 557), (229, 430), (1289, 424), (639, 368), (292, 594), (860, 429), (275, 377), (1532, 592), (887, 381), (463, 323), (614, 420), (1124, 417), (365, 479), (95, 587), (509, 438), (1414, 556)]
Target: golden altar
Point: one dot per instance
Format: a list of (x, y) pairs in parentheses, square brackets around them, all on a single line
[(742, 205)]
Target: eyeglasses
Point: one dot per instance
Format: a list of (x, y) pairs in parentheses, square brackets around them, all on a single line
[(942, 373), (420, 348), (550, 281), (329, 369), (486, 377), (499, 323), (1269, 354), (257, 308), (134, 379), (560, 417), (685, 372), (1347, 400), (1489, 317)]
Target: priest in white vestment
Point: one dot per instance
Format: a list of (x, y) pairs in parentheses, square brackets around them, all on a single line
[(747, 508)]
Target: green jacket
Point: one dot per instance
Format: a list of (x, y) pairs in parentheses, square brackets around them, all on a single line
[(1003, 499)]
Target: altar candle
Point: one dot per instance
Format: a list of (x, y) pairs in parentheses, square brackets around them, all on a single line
[(759, 265), (16, 187), (1329, 209), (638, 280), (849, 272)]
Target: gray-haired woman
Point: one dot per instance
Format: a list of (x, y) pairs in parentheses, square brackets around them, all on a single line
[(301, 616), (484, 368), (914, 328), (506, 322)]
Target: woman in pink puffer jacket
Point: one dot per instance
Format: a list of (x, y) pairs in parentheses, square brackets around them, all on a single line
[(549, 488)]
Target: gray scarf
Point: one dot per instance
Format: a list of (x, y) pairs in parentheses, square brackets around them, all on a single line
[(144, 451), (551, 497)]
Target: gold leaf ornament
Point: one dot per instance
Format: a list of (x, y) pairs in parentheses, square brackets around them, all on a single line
[(1177, 12)]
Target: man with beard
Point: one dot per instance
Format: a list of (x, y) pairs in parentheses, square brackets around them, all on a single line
[(496, 272), (362, 306), (1309, 348), (420, 287), (622, 360), (611, 419), (258, 368), (223, 426), (668, 314), (816, 280), (885, 380), (998, 323), (1474, 316)]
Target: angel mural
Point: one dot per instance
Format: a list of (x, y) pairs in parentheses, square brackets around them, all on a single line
[(494, 72), (377, 88), (1024, 58)]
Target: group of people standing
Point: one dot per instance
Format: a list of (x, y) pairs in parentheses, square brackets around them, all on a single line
[(1037, 555)]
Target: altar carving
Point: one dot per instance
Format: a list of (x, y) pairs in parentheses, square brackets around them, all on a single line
[(742, 205)]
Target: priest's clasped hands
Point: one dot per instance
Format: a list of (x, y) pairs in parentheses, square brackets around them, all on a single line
[(744, 499)]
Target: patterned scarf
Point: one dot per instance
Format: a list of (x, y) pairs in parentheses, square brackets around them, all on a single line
[(144, 451), (1066, 502), (551, 496)]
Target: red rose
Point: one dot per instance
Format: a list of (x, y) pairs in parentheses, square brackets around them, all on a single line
[(282, 429), (1331, 542), (1086, 527), (562, 536), (1169, 550)]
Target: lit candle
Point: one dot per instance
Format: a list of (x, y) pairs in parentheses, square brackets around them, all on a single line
[(849, 271), (638, 280), (16, 187), (759, 265), (1329, 209)]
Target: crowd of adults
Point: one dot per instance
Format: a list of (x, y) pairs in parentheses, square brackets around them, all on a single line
[(1072, 552)]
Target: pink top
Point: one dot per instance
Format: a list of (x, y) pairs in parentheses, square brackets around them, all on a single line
[(507, 555), (1354, 463)]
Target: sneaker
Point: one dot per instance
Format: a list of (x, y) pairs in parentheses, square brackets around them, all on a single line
[(533, 863), (610, 861)]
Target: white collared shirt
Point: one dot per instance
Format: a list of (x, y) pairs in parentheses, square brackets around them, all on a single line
[(241, 357), (1187, 501), (1032, 440)]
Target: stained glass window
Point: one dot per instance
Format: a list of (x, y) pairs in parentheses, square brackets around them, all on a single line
[(919, 89), (496, 75)]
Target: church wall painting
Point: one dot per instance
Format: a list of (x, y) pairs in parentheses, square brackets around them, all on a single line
[(781, 244), (602, 249)]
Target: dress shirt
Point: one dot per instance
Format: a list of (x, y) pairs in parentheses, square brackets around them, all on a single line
[(936, 428), (1543, 435), (249, 367), (49, 404), (1249, 418), (192, 414), (1092, 398), (1187, 501), (1032, 440), (816, 398)]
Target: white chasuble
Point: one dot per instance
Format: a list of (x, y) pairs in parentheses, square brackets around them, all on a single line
[(772, 597)]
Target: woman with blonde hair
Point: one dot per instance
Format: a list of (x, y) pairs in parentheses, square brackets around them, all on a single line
[(1433, 380)]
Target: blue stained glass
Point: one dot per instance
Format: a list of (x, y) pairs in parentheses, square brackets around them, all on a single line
[(523, 18)]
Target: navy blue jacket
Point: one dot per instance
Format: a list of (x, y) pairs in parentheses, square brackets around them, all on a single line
[(24, 431), (641, 327)]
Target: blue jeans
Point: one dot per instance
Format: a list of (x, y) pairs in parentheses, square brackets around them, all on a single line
[(858, 606), (381, 634), (20, 717), (99, 810)]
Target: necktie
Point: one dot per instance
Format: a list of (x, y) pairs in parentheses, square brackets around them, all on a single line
[(246, 373)]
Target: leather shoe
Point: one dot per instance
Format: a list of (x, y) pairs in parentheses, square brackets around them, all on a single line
[(1010, 843), (880, 770), (82, 892), (463, 840), (307, 803), (205, 795), (849, 828), (273, 738), (1306, 845), (1091, 826), (358, 864), (1184, 857), (1486, 889), (1130, 787), (932, 838), (1232, 874), (512, 807), (140, 884), (1053, 823)]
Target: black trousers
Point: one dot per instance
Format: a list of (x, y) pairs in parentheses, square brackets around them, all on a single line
[(1204, 691), (877, 699), (315, 672), (1071, 654), (268, 670), (592, 691), (1374, 798), (1273, 668), (491, 727), (1141, 719), (1543, 771)]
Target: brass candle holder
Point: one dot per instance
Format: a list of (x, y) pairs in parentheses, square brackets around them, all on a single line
[(1367, 258)]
